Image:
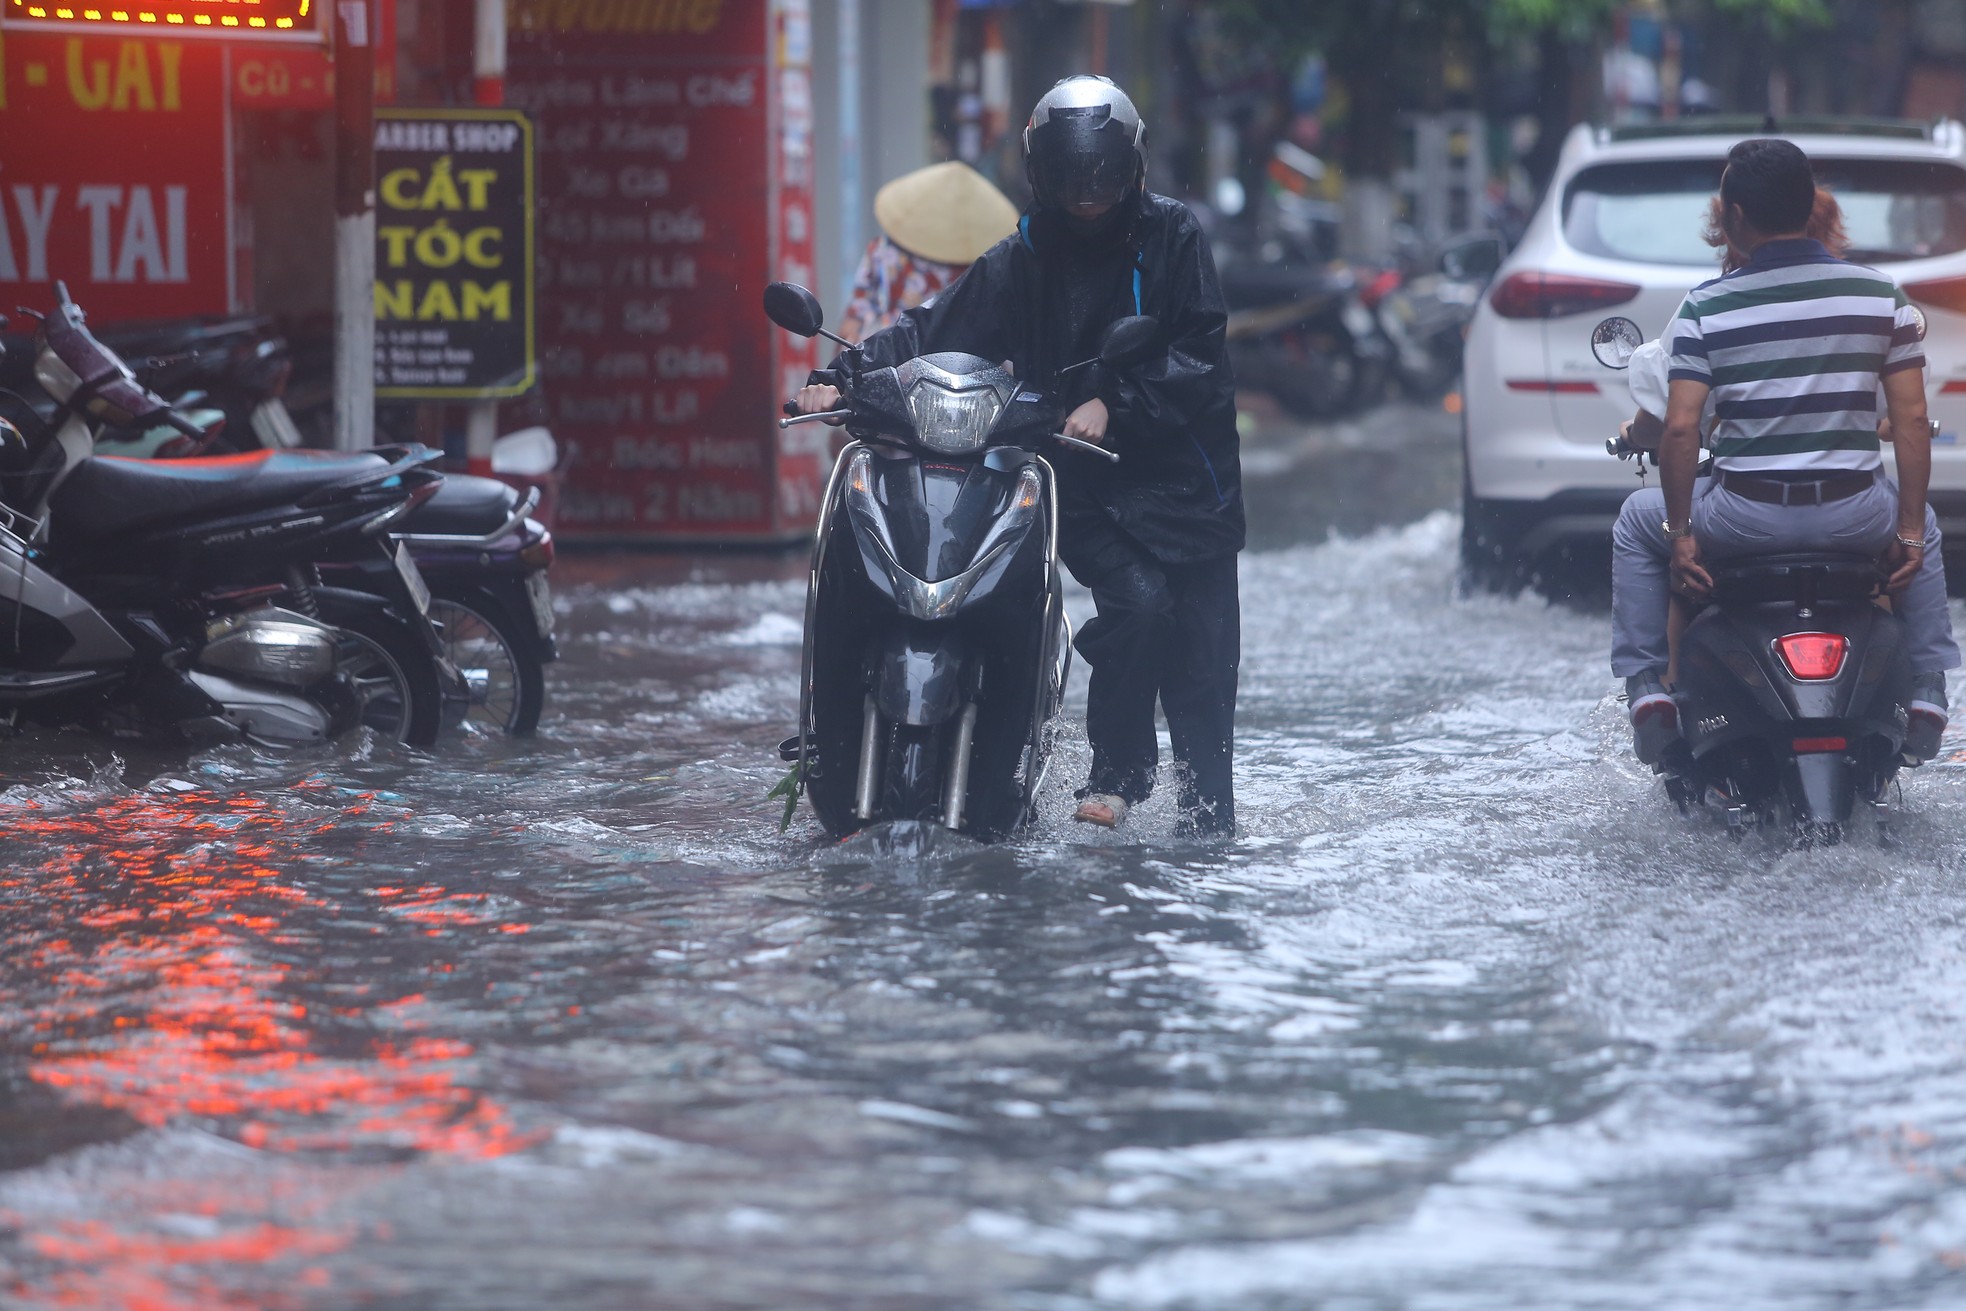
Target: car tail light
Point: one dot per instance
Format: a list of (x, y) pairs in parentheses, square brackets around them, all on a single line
[(1553, 295), (1812, 657), (1804, 746), (1945, 293), (1562, 388)]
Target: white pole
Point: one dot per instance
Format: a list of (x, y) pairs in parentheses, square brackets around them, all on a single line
[(354, 230), (853, 236), (488, 89)]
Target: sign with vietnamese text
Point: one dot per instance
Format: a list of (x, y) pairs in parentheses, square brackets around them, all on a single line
[(239, 20), (454, 257), (295, 76), (113, 167), (669, 131)]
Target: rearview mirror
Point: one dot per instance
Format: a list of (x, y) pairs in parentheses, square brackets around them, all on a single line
[(1614, 341), (1128, 341), (794, 309)]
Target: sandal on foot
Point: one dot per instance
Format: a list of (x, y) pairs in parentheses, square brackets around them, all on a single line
[(1101, 808)]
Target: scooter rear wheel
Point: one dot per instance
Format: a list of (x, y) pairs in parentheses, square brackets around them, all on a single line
[(485, 641), (393, 677)]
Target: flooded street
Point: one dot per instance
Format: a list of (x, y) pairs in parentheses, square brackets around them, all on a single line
[(1467, 1017)]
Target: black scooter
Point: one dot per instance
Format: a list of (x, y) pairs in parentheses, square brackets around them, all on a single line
[(936, 643), (1793, 686)]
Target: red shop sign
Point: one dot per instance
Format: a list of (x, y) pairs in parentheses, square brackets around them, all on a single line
[(266, 76), (674, 146), (113, 174)]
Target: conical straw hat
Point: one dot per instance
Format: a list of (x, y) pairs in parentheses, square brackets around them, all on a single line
[(948, 213)]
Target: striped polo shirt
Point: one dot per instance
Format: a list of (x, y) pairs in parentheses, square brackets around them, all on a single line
[(1793, 344)]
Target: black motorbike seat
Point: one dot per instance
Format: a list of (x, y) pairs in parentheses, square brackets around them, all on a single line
[(464, 506), (106, 496), (1803, 577)]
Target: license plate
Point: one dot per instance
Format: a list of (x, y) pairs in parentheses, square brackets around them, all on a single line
[(540, 593), (412, 579), (275, 426)]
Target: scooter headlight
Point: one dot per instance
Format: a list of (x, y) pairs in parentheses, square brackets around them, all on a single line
[(951, 420)]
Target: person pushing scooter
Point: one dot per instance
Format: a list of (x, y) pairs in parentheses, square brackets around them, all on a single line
[(1155, 535)]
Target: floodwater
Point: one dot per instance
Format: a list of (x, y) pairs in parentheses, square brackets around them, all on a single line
[(1465, 1018)]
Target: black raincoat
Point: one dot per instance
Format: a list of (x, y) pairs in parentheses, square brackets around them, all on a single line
[(1040, 299)]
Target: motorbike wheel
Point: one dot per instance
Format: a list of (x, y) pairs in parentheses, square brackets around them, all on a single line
[(1315, 377), (909, 782), (483, 639), (397, 695)]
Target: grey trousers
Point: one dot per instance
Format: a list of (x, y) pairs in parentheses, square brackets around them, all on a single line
[(1729, 527)]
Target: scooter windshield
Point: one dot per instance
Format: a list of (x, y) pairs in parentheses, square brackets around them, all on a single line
[(954, 400), (75, 362)]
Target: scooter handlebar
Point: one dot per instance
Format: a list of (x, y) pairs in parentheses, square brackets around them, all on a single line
[(1112, 457), (183, 425), (819, 416)]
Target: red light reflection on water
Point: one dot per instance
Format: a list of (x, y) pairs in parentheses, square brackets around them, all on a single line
[(152, 970)]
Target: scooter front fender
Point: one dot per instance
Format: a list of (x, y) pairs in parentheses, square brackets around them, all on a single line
[(918, 677)]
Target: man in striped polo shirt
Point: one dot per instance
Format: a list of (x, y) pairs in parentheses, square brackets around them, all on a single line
[(1793, 349)]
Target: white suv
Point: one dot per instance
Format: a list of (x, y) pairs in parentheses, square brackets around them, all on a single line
[(1619, 233)]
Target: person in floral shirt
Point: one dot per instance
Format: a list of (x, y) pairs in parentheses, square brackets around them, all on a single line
[(934, 223)]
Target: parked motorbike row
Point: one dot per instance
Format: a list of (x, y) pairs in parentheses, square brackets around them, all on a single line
[(1328, 338), (269, 594)]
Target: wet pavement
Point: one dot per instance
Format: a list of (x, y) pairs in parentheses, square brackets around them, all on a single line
[(1466, 1017)]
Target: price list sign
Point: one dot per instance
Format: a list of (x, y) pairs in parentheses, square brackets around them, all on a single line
[(675, 175), (454, 258)]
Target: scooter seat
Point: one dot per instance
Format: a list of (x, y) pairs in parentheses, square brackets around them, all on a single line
[(106, 496), (1802, 578), (464, 506)]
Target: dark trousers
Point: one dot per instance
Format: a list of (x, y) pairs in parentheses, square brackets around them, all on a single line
[(1172, 631)]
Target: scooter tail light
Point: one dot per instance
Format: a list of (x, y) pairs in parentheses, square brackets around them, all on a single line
[(1537, 295), (1379, 288), (1809, 746), (1941, 293), (1812, 657)]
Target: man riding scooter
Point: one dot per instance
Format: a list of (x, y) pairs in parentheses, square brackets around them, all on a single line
[(1791, 348), (1154, 535)]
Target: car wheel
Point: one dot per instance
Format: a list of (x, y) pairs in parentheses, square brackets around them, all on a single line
[(1489, 562)]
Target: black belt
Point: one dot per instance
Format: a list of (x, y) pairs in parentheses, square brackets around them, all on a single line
[(1810, 491)]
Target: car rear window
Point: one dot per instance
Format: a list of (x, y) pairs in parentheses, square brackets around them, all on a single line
[(1655, 211)]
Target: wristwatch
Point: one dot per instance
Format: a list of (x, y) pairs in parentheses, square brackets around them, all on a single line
[(1674, 534)]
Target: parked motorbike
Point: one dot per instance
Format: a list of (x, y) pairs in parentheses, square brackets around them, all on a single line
[(1424, 316), (1793, 687), (936, 643), (486, 560), (1300, 330), (143, 596), (483, 554)]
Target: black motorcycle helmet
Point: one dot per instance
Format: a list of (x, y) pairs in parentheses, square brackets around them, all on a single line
[(1085, 145)]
